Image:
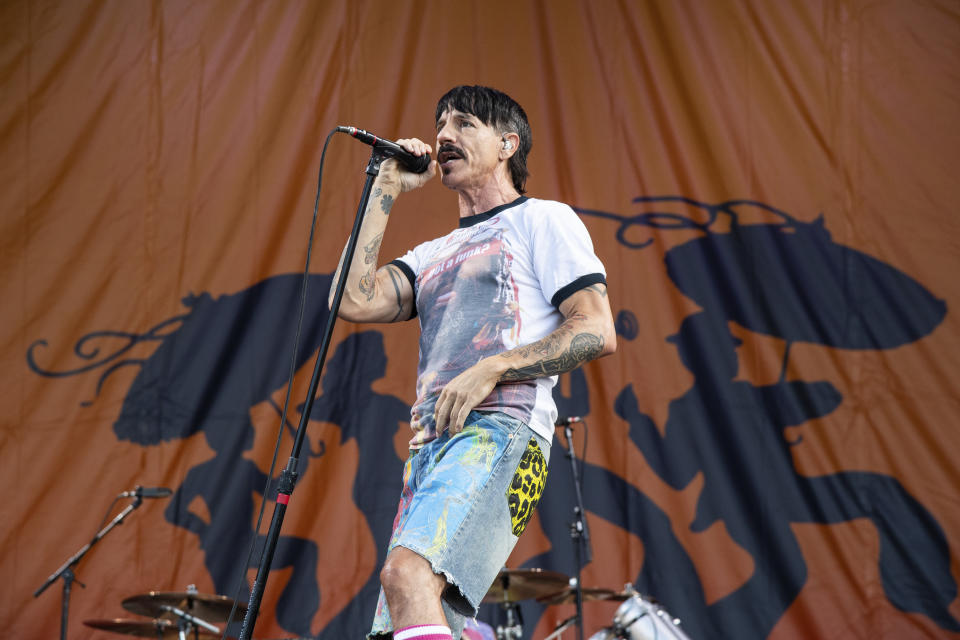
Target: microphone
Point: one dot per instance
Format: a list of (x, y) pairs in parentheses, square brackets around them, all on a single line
[(564, 421), (416, 164), (147, 492)]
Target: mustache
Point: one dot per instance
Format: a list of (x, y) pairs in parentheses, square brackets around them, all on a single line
[(447, 147)]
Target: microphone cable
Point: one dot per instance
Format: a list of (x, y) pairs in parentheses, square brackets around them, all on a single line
[(286, 401)]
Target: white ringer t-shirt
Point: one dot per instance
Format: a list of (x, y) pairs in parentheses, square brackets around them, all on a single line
[(491, 285)]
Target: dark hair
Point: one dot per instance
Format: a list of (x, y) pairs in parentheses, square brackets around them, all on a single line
[(497, 109)]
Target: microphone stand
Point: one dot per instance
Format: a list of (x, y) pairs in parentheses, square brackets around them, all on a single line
[(66, 571), (288, 477), (578, 530)]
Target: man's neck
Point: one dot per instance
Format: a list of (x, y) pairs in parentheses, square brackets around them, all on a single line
[(474, 201)]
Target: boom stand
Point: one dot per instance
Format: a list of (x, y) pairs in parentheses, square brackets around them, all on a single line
[(288, 477), (578, 530), (66, 571)]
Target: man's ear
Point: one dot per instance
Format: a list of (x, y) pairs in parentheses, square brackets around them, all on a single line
[(510, 144)]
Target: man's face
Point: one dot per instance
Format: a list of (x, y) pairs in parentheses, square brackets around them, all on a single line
[(467, 150)]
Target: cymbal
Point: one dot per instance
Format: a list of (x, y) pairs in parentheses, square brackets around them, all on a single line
[(513, 585), (569, 596), (209, 608), (144, 628)]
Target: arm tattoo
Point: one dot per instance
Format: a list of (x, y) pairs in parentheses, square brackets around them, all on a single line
[(373, 199), (366, 284), (596, 288), (583, 347), (386, 203), (396, 287), (546, 347), (372, 249)]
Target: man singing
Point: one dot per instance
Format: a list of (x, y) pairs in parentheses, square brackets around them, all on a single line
[(508, 300)]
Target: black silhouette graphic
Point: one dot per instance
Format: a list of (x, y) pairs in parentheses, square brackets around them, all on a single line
[(626, 324), (87, 349), (791, 281), (226, 356), (226, 484), (732, 432), (372, 419)]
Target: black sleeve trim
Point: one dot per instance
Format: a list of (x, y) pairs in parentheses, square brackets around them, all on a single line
[(407, 271), (580, 283)]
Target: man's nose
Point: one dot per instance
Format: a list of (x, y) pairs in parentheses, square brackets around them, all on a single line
[(445, 134)]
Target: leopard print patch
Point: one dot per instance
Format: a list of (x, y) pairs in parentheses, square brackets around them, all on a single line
[(527, 486)]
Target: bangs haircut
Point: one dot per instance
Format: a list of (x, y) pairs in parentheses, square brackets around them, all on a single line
[(498, 110)]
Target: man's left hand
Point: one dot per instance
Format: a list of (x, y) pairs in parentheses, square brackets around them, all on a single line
[(463, 393)]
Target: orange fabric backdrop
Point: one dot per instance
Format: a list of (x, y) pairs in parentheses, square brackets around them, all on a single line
[(153, 150)]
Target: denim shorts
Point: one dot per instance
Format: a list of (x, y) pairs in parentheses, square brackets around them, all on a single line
[(465, 501)]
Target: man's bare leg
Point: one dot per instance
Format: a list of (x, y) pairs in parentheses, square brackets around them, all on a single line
[(412, 589)]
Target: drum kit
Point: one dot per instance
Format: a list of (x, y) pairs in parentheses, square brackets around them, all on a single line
[(173, 614), (640, 617), (182, 615)]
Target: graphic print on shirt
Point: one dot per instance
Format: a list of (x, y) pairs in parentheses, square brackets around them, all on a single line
[(468, 308)]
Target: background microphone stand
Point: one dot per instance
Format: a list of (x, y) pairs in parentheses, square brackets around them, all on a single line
[(66, 571), (288, 477), (579, 533)]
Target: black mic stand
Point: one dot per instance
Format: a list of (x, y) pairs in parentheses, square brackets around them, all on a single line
[(288, 477), (578, 530), (66, 571)]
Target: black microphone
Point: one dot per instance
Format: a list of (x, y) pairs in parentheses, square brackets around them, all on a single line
[(564, 421), (147, 492), (416, 164)]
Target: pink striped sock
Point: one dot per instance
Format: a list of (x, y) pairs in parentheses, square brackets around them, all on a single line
[(423, 632)]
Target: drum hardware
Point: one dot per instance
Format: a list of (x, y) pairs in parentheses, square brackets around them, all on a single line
[(641, 618), (513, 630), (210, 608), (157, 628), (176, 614), (569, 595), (188, 622), (192, 610), (514, 585), (562, 627)]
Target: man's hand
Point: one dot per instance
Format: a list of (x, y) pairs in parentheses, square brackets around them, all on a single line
[(384, 294), (463, 393), (392, 172)]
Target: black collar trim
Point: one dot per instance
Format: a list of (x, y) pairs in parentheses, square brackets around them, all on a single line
[(469, 221)]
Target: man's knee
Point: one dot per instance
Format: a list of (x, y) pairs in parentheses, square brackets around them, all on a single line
[(393, 575), (406, 570)]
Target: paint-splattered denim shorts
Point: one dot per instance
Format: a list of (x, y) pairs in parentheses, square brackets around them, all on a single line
[(464, 503)]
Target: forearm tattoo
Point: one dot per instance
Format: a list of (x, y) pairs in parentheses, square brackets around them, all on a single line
[(372, 249), (583, 347), (546, 347), (367, 282), (386, 203)]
